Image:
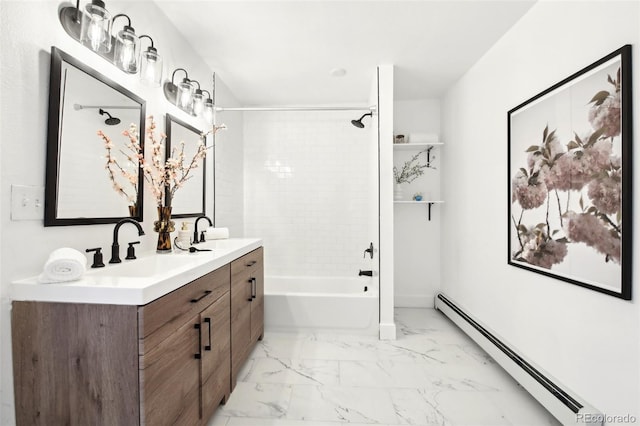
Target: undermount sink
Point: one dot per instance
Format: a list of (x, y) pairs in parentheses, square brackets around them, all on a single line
[(146, 266)]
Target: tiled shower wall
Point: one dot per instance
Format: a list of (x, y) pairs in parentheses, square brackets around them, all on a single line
[(309, 182)]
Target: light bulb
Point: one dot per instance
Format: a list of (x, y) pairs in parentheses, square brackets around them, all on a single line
[(198, 103)]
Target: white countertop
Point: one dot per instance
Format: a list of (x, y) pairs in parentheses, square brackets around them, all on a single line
[(139, 281)]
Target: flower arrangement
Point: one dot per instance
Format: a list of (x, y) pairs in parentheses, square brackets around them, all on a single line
[(128, 171), (586, 167), (412, 169), (164, 176)]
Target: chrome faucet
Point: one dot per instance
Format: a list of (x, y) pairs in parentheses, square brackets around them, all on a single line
[(195, 230), (115, 247)]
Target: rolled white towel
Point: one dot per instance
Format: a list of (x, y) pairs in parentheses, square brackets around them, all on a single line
[(212, 233), (63, 264)]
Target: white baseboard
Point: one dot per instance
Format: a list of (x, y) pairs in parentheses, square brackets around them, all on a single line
[(540, 384)]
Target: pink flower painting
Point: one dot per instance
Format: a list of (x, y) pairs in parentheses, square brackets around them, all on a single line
[(566, 208)]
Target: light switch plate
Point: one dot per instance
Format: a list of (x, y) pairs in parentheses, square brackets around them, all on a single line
[(27, 202)]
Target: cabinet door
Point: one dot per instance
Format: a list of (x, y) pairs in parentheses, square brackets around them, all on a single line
[(75, 364), (257, 304), (240, 318), (170, 378), (216, 360)]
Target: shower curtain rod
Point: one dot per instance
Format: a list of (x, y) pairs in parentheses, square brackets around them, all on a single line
[(78, 107), (300, 108)]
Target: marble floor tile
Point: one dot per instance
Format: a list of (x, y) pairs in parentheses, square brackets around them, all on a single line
[(381, 374), (280, 345), (264, 400), (247, 421), (521, 409), (467, 408), (416, 407), (341, 404), (338, 348), (218, 419), (300, 372), (433, 374)]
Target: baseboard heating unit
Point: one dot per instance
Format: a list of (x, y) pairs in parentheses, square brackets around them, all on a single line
[(563, 404)]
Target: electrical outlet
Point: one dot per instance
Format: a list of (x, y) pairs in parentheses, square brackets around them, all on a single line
[(27, 202)]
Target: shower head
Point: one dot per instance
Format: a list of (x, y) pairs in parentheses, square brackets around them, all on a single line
[(111, 121), (358, 122)]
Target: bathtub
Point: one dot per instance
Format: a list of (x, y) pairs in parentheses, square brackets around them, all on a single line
[(331, 304)]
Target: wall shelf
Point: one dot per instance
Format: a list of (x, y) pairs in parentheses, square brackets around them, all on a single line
[(412, 146), (428, 203)]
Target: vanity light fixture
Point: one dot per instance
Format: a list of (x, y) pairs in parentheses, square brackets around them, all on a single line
[(150, 65), (190, 97), (125, 51), (92, 26)]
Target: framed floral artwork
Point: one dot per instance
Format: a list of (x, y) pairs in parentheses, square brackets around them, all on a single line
[(569, 151)]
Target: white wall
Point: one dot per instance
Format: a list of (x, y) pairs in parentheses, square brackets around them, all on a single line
[(308, 191), (587, 340), (416, 239), (24, 70), (229, 180)]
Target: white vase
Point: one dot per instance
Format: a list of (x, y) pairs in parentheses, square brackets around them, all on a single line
[(397, 192)]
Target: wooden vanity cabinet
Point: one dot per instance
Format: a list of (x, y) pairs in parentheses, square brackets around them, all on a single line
[(247, 308), (81, 364)]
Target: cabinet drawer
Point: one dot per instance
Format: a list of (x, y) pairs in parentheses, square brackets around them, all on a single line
[(250, 261), (163, 316)]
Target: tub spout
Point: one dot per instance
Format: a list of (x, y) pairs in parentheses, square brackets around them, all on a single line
[(366, 273)]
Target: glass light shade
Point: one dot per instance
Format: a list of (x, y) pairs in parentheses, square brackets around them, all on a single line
[(208, 112), (125, 51), (151, 68), (184, 96), (95, 27), (198, 103)]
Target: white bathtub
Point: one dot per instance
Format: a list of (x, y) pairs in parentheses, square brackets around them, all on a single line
[(332, 304)]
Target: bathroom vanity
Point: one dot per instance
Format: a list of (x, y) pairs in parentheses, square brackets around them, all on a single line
[(154, 343)]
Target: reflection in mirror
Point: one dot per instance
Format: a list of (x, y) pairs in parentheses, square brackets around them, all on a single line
[(190, 199), (79, 188)]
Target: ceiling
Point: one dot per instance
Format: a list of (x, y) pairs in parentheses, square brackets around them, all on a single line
[(281, 52)]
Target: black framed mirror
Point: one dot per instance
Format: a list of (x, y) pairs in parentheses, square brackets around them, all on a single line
[(189, 200), (81, 188)]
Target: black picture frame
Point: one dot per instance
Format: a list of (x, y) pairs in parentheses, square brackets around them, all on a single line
[(570, 178)]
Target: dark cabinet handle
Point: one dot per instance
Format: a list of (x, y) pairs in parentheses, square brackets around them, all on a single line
[(208, 347), (199, 354), (253, 262), (206, 293), (254, 288)]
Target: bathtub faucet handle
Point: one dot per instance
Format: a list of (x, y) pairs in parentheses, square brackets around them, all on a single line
[(369, 250)]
